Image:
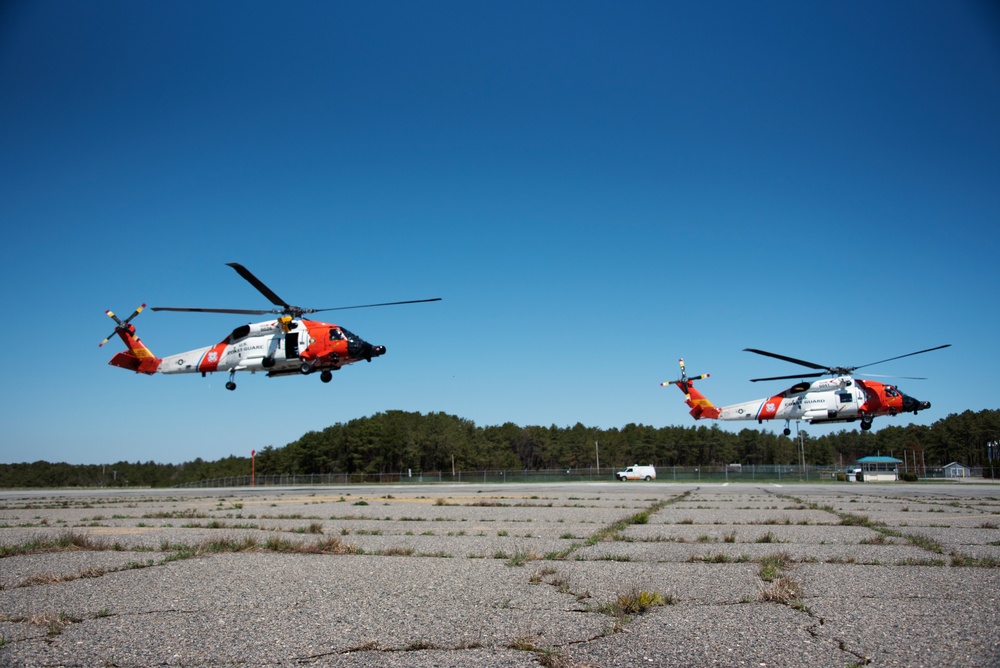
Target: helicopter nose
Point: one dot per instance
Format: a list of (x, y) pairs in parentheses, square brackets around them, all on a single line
[(911, 404), (371, 351)]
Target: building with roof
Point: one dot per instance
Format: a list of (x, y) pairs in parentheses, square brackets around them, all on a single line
[(956, 470), (879, 469)]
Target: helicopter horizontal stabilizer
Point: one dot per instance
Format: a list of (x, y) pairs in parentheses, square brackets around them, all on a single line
[(701, 407), (126, 360)]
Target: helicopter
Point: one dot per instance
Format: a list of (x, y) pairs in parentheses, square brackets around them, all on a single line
[(842, 398), (285, 346)]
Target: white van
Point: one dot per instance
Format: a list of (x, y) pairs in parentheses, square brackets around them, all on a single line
[(637, 472)]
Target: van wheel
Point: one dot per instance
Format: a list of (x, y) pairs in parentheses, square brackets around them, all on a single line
[(647, 478)]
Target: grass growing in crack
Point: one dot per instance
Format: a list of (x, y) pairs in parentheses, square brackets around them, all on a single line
[(719, 558), (635, 602), (851, 520), (537, 576), (521, 557), (66, 541), (772, 565), (549, 657), (924, 542), (776, 586), (921, 562), (782, 590), (614, 531), (964, 561)]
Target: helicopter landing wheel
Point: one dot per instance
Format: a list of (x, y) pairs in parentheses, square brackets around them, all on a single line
[(786, 431), (306, 368), (866, 424), (326, 376), (230, 385)]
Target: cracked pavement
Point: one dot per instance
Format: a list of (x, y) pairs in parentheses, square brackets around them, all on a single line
[(503, 575)]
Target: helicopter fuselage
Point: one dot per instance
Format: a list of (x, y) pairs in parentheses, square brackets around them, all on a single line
[(835, 399), (277, 347), (840, 399)]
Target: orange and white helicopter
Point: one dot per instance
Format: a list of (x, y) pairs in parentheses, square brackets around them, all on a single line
[(288, 345), (842, 398)]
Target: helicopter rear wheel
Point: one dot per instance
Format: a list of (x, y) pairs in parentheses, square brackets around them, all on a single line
[(230, 385), (326, 376)]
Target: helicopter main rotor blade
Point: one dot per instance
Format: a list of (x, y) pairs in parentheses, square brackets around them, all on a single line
[(240, 311), (344, 308), (787, 359), (257, 283), (919, 352), (794, 377)]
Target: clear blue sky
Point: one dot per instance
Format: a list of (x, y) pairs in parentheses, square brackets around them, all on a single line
[(594, 189)]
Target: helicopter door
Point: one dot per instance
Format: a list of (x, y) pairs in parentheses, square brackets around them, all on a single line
[(291, 345)]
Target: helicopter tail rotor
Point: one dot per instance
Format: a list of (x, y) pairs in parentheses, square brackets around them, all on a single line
[(121, 325), (138, 357), (684, 382), (701, 407)]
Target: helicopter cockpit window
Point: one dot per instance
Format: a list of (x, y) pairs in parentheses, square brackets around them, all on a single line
[(349, 335), (336, 334), (890, 391), (240, 332)]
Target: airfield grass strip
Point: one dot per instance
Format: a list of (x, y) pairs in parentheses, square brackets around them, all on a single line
[(71, 541), (614, 530), (67, 541), (958, 560)]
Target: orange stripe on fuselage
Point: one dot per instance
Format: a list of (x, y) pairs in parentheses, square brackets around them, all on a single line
[(210, 360), (769, 408)]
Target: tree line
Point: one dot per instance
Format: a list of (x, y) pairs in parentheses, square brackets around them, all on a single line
[(400, 441)]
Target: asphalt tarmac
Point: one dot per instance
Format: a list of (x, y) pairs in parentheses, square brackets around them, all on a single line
[(561, 575)]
